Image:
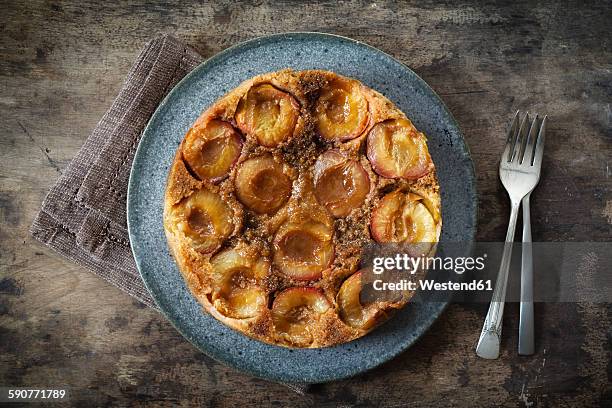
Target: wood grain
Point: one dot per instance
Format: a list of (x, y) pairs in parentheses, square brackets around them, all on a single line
[(61, 63)]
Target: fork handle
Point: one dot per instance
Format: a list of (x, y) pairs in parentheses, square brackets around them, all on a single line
[(526, 344), (488, 344)]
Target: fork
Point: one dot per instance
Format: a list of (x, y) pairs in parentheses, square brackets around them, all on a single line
[(519, 171)]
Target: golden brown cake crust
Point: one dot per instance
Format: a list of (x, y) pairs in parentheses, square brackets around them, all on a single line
[(251, 235)]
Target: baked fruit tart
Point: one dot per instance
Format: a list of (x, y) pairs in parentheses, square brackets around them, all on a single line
[(276, 189)]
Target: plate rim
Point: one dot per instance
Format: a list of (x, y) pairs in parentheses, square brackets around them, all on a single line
[(385, 357)]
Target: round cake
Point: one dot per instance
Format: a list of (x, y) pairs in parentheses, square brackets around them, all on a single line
[(276, 189)]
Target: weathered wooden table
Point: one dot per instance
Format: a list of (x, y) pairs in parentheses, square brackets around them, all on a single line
[(63, 62)]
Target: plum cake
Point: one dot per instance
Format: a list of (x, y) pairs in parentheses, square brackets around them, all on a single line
[(276, 189)]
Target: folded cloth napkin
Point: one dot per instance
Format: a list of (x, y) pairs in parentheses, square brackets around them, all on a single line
[(84, 215)]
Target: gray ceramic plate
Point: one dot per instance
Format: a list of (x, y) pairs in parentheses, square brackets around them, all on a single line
[(201, 88)]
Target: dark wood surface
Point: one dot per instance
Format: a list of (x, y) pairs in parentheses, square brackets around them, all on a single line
[(61, 64)]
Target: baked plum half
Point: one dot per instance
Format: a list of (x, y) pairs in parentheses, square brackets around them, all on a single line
[(237, 278), (303, 248), (205, 219), (211, 150), (295, 312), (268, 114), (341, 184), (262, 184), (403, 218), (397, 150), (352, 311), (341, 111)]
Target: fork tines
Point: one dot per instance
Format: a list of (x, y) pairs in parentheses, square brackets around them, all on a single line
[(523, 148)]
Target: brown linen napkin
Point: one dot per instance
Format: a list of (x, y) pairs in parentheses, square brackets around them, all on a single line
[(84, 215)]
